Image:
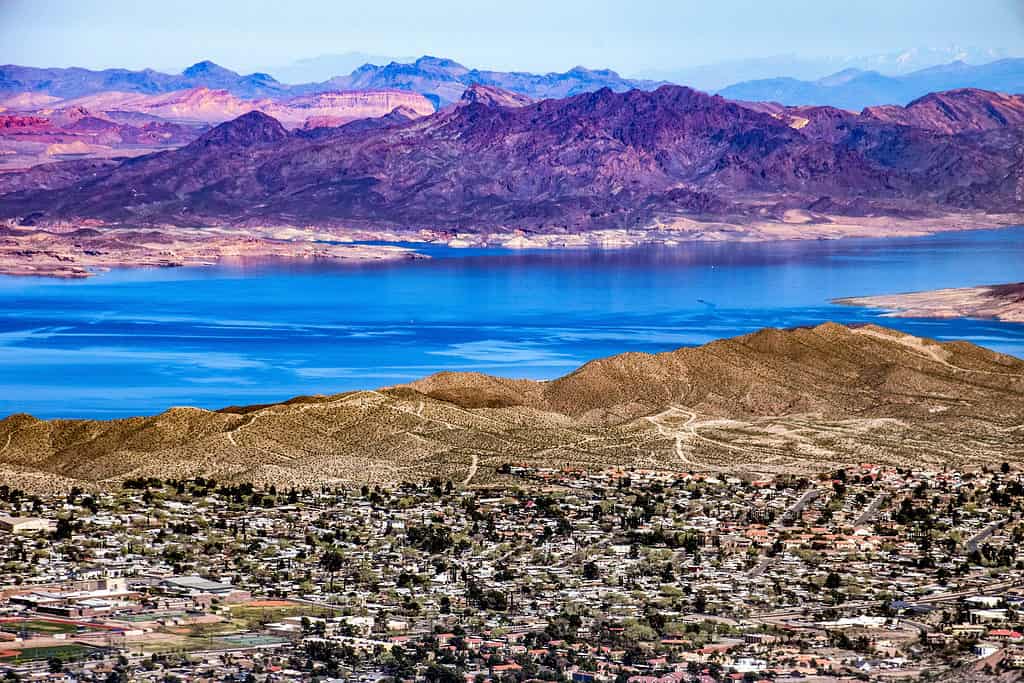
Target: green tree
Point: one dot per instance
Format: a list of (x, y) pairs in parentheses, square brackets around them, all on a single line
[(332, 562)]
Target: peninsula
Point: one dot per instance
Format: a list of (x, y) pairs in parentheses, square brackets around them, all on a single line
[(83, 252), (998, 302)]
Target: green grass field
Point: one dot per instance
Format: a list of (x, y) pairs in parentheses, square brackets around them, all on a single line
[(39, 627), (64, 652)]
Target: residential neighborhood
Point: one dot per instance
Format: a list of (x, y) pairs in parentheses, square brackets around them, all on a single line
[(634, 576)]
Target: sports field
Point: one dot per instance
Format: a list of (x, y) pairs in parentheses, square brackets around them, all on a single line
[(42, 627), (64, 652)]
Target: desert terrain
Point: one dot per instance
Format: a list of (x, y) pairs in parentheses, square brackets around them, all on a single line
[(803, 400)]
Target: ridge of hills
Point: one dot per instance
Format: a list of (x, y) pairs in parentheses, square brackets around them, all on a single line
[(595, 160), (441, 80), (800, 401), (125, 124), (716, 75)]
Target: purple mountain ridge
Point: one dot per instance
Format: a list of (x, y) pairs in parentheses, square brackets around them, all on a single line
[(591, 160)]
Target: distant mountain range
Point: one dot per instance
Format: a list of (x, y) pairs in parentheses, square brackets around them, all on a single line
[(445, 80), (714, 77), (442, 80), (324, 67), (600, 159), (855, 89), (76, 82)]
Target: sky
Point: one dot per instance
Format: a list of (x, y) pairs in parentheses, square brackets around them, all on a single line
[(536, 35)]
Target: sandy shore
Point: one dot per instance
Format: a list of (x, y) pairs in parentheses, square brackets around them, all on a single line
[(86, 252), (998, 302)]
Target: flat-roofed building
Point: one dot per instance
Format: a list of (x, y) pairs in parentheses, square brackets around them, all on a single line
[(196, 587), (25, 525)]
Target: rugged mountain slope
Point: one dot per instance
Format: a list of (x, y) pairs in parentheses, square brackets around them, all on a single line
[(796, 400), (598, 159), (493, 96), (131, 124), (856, 89), (27, 139), (956, 111)]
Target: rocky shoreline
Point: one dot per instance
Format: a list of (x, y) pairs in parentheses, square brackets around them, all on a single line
[(70, 250), (85, 252), (795, 225), (997, 302)]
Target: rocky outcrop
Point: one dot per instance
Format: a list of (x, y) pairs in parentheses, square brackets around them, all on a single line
[(395, 117), (956, 111), (342, 107), (490, 95)]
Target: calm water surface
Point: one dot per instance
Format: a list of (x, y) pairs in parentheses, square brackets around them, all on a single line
[(139, 340)]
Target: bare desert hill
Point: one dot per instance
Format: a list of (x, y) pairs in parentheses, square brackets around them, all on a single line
[(798, 400)]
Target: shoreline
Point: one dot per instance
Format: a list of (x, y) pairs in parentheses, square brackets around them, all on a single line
[(70, 251), (1004, 303), (87, 252), (797, 226)]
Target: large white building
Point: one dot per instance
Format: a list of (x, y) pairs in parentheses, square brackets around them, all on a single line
[(25, 525)]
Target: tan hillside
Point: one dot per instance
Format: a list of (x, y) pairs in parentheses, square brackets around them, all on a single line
[(776, 400)]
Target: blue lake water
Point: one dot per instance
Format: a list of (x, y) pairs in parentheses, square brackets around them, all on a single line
[(137, 341)]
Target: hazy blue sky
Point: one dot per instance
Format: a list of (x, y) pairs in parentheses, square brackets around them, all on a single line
[(628, 35)]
